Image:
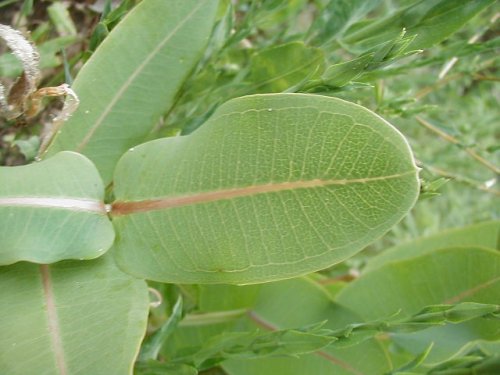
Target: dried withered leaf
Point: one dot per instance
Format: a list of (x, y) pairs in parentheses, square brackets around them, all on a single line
[(26, 53), (4, 106), (18, 93)]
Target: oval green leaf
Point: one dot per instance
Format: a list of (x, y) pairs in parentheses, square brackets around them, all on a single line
[(445, 276), (133, 78), (70, 318), (271, 187), (53, 210), (485, 234)]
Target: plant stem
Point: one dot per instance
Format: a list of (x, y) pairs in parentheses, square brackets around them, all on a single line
[(212, 317), (451, 139), (462, 179)]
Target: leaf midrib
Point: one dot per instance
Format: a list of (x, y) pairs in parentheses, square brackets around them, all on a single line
[(119, 208), (72, 204), (470, 291), (53, 320)]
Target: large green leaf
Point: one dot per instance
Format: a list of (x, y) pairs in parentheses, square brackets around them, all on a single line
[(53, 210), (74, 317), (298, 303), (271, 187), (133, 78), (486, 234), (445, 276)]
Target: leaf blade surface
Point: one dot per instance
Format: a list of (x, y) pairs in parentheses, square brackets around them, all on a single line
[(53, 210), (133, 78), (443, 276), (485, 234), (272, 186), (70, 318)]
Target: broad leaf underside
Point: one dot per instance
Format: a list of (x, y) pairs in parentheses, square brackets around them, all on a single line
[(72, 317), (272, 186), (53, 210), (133, 78)]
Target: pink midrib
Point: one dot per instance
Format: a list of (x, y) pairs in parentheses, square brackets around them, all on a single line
[(53, 320), (130, 207)]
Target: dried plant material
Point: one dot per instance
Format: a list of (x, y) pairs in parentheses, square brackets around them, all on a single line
[(70, 105), (36, 98), (24, 51), (18, 95), (27, 83), (23, 97), (3, 100)]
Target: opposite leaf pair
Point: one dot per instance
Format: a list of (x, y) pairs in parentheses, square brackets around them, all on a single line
[(271, 187)]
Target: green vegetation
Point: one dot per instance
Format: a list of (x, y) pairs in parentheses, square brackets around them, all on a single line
[(249, 187)]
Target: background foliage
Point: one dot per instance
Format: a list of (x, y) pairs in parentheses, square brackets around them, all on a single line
[(429, 67)]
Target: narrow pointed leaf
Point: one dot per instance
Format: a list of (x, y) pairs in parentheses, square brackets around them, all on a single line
[(53, 210), (299, 303), (161, 368), (70, 318), (287, 305), (278, 68), (255, 344), (133, 78), (271, 187), (339, 75), (429, 22), (151, 347), (337, 16)]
